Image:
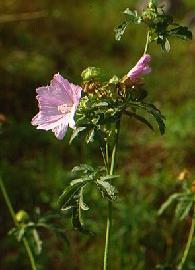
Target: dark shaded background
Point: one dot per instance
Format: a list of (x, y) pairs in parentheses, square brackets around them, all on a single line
[(67, 36)]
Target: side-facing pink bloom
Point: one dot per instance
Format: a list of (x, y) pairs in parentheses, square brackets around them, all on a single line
[(57, 106), (142, 67)]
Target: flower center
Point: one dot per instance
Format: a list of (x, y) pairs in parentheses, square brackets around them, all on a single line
[(64, 108)]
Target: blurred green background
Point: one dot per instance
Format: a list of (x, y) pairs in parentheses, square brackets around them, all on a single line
[(40, 38)]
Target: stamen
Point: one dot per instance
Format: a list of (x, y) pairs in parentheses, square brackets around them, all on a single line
[(64, 108)]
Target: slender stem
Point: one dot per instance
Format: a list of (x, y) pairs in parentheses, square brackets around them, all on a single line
[(113, 159), (8, 203), (108, 234), (12, 213), (107, 154), (104, 158), (30, 254), (188, 245), (147, 42), (109, 217)]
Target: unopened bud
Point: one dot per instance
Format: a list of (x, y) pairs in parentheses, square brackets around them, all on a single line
[(22, 216), (114, 80), (92, 73)]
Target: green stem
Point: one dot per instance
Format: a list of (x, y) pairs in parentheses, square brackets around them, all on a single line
[(8, 203), (109, 217), (108, 234), (107, 155), (104, 158), (147, 42), (30, 254), (12, 213), (188, 245)]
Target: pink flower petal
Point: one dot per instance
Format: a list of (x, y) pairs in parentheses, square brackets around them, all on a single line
[(57, 104), (60, 131), (61, 88), (142, 67)]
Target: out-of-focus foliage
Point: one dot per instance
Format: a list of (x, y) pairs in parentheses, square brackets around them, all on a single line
[(68, 36)]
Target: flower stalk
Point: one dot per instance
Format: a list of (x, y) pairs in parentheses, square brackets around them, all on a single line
[(109, 217), (147, 42)]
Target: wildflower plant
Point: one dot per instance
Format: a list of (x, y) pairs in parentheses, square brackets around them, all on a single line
[(94, 111)]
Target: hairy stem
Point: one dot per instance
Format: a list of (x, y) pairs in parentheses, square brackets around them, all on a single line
[(109, 216), (12, 213), (189, 242)]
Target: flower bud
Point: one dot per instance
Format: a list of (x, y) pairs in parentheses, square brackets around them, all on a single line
[(22, 216), (92, 73), (114, 80), (142, 67)]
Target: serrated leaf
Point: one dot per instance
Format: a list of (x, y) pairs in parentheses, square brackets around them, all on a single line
[(76, 219), (82, 168), (120, 30), (181, 32), (77, 132), (90, 136), (160, 121), (108, 191), (158, 116), (80, 180), (140, 118), (133, 16), (152, 110), (82, 205), (76, 181), (67, 196), (109, 177)]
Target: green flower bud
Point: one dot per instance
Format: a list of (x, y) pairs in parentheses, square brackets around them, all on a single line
[(114, 80), (92, 73), (22, 216)]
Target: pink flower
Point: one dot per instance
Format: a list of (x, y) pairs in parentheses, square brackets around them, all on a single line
[(57, 104), (142, 67)]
